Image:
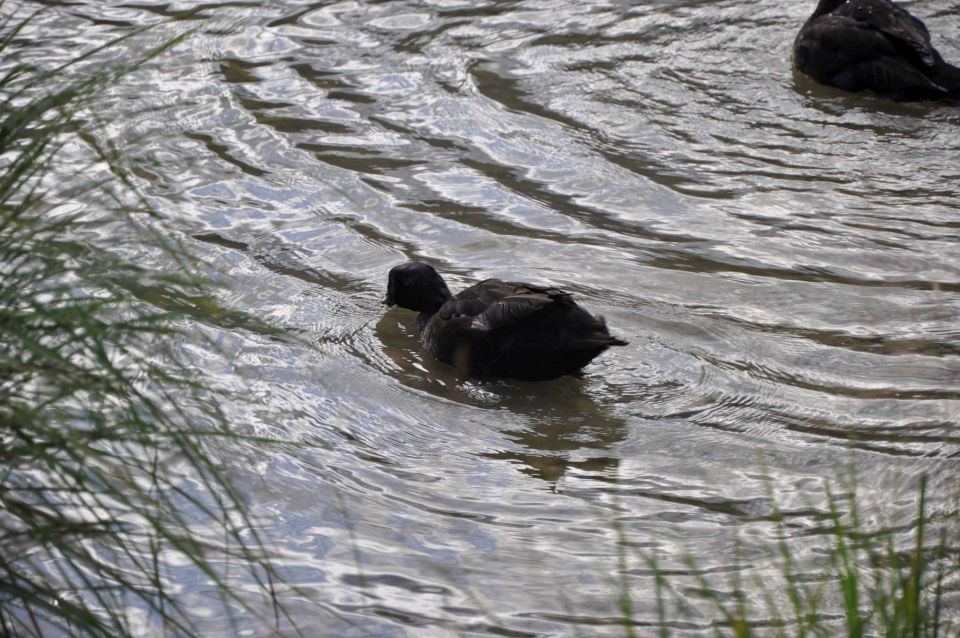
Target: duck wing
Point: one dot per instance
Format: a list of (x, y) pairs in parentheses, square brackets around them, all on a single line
[(907, 33), (493, 304), (521, 304), (854, 55)]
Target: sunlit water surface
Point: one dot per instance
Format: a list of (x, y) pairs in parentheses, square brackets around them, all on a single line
[(783, 259)]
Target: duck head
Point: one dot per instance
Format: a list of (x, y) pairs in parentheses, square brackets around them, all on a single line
[(826, 6), (416, 286)]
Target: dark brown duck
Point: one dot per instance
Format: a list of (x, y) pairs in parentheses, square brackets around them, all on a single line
[(500, 328), (858, 45)]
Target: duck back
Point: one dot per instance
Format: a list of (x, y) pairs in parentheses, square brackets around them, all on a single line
[(515, 329), (858, 45)]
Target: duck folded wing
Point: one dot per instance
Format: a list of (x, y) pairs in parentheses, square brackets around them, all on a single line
[(494, 304), (500, 299), (847, 54), (511, 310), (907, 33)]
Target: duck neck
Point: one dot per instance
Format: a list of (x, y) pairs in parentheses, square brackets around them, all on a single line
[(431, 299), (432, 306), (422, 320), (434, 300)]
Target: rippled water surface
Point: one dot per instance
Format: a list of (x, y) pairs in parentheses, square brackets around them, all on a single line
[(783, 259)]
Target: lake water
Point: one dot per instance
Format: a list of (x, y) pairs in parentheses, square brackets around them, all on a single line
[(783, 259)]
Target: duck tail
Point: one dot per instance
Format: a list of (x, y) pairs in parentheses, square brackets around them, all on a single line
[(602, 336), (947, 76)]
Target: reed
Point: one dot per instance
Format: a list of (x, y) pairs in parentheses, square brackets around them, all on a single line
[(109, 475), (870, 585)]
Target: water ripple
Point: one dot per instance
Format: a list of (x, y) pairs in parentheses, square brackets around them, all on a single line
[(782, 258)]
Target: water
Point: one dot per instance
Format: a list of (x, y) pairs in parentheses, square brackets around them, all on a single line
[(783, 259)]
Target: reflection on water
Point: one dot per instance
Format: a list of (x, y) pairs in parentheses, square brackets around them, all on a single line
[(783, 258), (573, 433)]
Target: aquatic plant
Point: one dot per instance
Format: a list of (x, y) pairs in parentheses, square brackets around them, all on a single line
[(868, 585), (109, 470)]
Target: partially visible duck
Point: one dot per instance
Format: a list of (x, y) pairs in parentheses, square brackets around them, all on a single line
[(873, 44), (498, 328)]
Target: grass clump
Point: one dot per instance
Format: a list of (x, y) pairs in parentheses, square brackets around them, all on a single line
[(108, 475), (865, 583)]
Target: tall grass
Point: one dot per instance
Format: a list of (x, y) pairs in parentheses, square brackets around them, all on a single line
[(108, 443), (866, 583)]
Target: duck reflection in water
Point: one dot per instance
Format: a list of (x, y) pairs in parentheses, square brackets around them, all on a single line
[(570, 431), (858, 45)]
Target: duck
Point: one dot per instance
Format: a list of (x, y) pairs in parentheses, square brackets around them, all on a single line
[(499, 328), (858, 45)]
